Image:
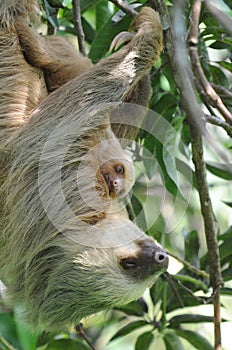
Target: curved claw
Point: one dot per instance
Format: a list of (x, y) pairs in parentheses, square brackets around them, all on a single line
[(121, 38)]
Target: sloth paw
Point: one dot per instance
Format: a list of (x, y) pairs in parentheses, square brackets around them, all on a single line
[(147, 18)]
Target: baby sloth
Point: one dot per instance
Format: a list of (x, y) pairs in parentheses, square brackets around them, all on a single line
[(119, 177)]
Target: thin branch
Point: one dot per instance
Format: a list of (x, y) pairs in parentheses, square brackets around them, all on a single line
[(219, 122), (213, 97), (125, 7), (78, 26), (222, 90), (201, 300), (169, 278), (80, 330), (188, 266)]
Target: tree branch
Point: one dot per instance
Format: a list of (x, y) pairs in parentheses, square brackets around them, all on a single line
[(78, 26), (213, 97), (179, 62), (125, 7)]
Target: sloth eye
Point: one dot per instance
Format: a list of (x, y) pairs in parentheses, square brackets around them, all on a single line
[(119, 169)]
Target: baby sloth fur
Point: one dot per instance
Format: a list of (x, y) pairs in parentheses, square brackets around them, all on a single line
[(67, 249)]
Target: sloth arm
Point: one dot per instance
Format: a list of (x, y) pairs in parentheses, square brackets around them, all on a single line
[(117, 78), (53, 54)]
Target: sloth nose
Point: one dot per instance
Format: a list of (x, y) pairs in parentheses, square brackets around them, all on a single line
[(116, 183), (150, 259)]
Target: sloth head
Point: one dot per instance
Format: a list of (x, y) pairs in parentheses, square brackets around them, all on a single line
[(119, 176), (69, 280)]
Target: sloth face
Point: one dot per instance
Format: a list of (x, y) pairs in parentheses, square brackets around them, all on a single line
[(119, 177)]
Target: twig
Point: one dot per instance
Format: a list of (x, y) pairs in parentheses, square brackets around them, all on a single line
[(219, 122), (222, 18), (80, 330), (78, 26), (189, 266), (125, 7), (169, 278), (222, 90), (201, 300), (214, 98)]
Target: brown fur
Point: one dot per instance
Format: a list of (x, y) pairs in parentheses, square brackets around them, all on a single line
[(67, 251), (54, 55)]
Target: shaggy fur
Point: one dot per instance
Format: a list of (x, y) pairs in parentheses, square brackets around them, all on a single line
[(67, 249)]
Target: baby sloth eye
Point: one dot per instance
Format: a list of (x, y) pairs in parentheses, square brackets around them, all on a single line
[(119, 169)]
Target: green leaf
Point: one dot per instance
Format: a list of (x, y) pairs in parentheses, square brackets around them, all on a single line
[(157, 290), (192, 246), (189, 318), (218, 76), (226, 65), (172, 342), (130, 327), (27, 337), (102, 14), (227, 234), (166, 106), (227, 275), (197, 340), (69, 344), (8, 330), (226, 291), (228, 203), (86, 4), (195, 282), (223, 171), (225, 250), (144, 341), (133, 308)]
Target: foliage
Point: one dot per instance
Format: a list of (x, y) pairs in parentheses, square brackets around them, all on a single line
[(170, 311)]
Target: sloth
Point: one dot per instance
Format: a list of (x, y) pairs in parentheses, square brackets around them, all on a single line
[(67, 249), (114, 165)]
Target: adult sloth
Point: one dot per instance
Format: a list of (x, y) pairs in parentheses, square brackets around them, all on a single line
[(67, 249)]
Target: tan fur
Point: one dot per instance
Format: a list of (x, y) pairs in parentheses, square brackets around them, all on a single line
[(66, 250)]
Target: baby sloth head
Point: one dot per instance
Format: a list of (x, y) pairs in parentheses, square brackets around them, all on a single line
[(119, 176)]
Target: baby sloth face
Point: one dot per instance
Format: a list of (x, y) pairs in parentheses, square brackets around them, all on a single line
[(119, 177)]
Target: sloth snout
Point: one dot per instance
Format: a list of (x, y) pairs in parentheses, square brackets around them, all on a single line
[(149, 259)]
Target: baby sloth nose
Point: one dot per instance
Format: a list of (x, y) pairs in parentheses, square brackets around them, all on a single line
[(150, 259)]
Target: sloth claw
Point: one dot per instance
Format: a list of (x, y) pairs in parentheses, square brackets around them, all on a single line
[(121, 38)]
